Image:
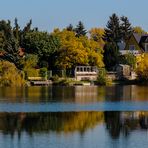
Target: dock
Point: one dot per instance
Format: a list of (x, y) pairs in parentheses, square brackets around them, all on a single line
[(41, 83)]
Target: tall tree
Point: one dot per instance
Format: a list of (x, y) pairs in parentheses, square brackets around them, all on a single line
[(111, 55), (80, 30), (16, 29), (25, 30), (11, 45), (113, 30), (126, 28)]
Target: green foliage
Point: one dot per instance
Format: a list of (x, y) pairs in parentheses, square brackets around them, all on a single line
[(128, 59), (113, 29), (43, 72), (29, 63), (41, 44), (102, 78), (126, 29), (80, 30), (111, 55)]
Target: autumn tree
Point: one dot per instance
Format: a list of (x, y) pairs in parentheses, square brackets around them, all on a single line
[(77, 51), (142, 69), (139, 30), (96, 34), (71, 52)]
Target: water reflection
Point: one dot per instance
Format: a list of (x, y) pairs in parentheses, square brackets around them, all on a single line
[(116, 123), (78, 94)]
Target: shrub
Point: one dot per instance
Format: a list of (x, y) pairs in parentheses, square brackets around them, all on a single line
[(9, 75), (43, 72)]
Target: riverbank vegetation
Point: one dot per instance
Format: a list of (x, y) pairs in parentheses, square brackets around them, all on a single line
[(24, 51)]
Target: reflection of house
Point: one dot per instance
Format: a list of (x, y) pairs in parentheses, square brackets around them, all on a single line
[(86, 73), (136, 45), (86, 94)]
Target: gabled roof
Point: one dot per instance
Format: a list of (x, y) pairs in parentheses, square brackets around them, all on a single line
[(144, 38), (137, 37)]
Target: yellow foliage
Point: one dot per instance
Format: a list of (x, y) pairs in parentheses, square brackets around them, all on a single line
[(97, 34), (9, 75), (77, 51), (142, 69)]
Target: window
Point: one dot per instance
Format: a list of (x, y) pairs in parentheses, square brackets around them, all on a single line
[(131, 47)]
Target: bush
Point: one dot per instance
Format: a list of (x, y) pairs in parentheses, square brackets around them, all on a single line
[(102, 78), (9, 75), (43, 72)]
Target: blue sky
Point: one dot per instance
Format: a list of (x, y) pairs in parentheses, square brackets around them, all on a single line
[(49, 14)]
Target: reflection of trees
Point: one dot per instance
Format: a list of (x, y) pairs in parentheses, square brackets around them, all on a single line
[(46, 122), (124, 122), (113, 125)]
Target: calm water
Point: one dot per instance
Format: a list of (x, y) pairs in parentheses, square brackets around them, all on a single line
[(90, 98), (74, 117), (74, 130)]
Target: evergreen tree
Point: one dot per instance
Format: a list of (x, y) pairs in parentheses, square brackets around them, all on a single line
[(25, 30), (10, 44), (126, 28), (16, 29), (70, 28), (111, 55), (80, 30), (113, 30)]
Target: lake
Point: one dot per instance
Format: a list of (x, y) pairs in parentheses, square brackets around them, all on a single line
[(74, 117)]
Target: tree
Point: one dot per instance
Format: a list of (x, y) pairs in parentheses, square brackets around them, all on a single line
[(142, 69), (10, 76), (29, 63), (139, 30), (128, 59), (111, 55), (80, 30), (10, 45), (71, 53), (94, 51), (16, 30), (76, 51), (96, 34), (113, 30), (23, 32), (42, 44), (70, 27), (126, 28)]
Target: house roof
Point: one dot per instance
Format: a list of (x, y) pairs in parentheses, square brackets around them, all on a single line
[(144, 38), (137, 37)]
